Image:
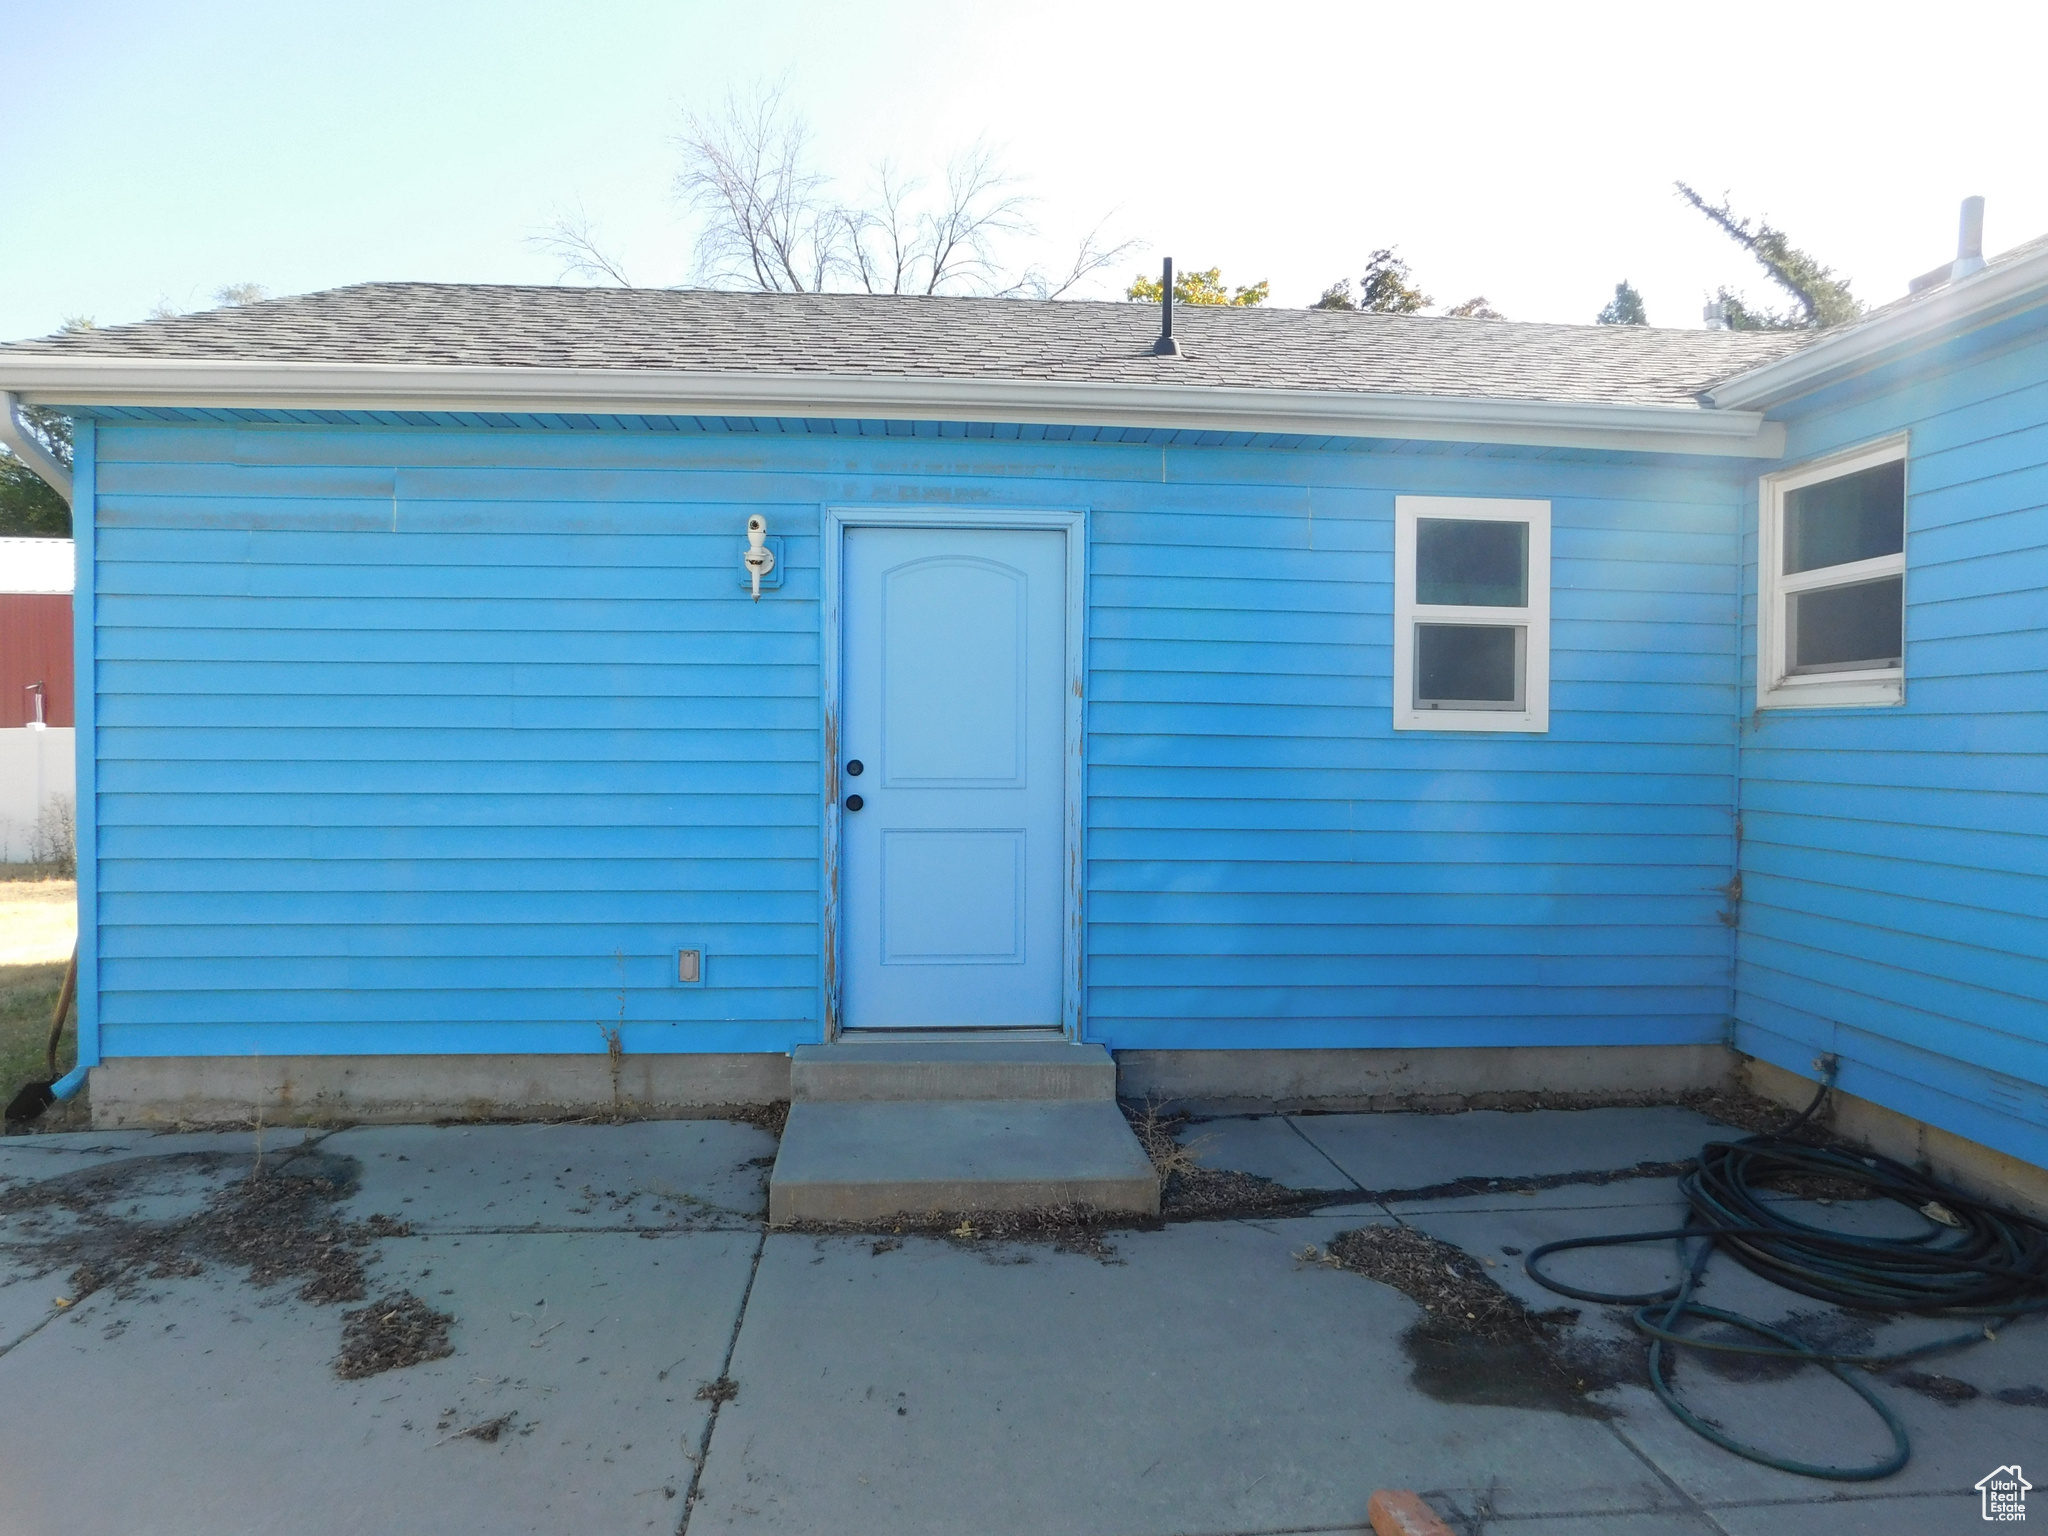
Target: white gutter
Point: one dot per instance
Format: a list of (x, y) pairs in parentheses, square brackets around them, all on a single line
[(22, 443), (72, 379), (1982, 296)]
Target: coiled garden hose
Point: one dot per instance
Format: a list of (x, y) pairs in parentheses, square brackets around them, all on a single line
[(1974, 1260)]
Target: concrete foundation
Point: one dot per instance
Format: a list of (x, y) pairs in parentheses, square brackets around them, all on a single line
[(167, 1090), (1971, 1166), (1517, 1077), (320, 1090), (851, 1071)]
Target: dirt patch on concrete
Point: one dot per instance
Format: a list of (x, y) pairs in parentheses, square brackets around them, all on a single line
[(394, 1331), (1477, 1344), (1459, 1299), (1754, 1115), (1831, 1332), (1190, 1192), (1078, 1229), (274, 1219), (770, 1117), (1946, 1390)]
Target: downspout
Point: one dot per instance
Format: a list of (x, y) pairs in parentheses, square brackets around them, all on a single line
[(23, 444)]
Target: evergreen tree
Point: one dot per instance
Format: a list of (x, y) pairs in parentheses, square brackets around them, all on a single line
[(1386, 289), (1821, 298), (29, 508), (1625, 308)]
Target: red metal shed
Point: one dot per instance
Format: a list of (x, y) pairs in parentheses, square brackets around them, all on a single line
[(35, 631)]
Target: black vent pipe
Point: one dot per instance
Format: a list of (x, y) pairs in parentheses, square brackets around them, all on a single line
[(1166, 346)]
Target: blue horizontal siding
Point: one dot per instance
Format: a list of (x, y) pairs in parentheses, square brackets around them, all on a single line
[(1895, 860), (444, 736)]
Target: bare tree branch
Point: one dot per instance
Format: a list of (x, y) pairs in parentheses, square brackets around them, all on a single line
[(571, 238), (958, 238), (1090, 257), (768, 221), (772, 222)]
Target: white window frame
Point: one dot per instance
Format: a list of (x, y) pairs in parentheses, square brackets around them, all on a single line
[(1534, 619), (1866, 686)]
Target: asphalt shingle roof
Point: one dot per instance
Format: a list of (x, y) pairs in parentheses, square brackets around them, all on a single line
[(853, 335)]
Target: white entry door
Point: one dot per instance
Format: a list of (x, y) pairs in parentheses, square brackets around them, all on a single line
[(952, 774)]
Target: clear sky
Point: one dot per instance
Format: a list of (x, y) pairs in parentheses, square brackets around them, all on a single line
[(155, 152)]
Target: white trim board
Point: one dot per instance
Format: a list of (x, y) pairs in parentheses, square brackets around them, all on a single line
[(50, 379), (1533, 620), (1073, 523)]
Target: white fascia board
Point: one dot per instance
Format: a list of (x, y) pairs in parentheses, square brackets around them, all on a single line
[(1971, 300), (87, 381)]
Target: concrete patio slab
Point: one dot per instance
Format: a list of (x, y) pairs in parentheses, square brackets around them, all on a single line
[(1410, 1151), (1814, 1417), (1807, 1414), (1204, 1383), (229, 1418), (1660, 1522), (647, 1173), (40, 1156), (1267, 1145), (1852, 1513), (1205, 1379), (27, 1302)]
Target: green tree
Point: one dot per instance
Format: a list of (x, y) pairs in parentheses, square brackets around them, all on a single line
[(1821, 298), (28, 507), (1474, 308), (1386, 289), (1625, 308), (1200, 288)]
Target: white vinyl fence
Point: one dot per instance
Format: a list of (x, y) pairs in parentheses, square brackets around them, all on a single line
[(36, 800)]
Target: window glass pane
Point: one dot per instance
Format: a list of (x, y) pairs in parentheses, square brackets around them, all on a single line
[(1836, 629), (1857, 517), (1469, 666), (1471, 564)]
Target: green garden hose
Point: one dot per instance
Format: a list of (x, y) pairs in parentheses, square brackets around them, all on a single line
[(1973, 1259)]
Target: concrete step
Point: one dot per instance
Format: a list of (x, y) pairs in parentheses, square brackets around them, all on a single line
[(869, 1071), (869, 1160)]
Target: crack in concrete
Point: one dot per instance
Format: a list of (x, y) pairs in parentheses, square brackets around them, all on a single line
[(718, 1401)]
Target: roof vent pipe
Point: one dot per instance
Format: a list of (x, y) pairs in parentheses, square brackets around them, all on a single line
[(20, 441), (1166, 346), (1970, 239)]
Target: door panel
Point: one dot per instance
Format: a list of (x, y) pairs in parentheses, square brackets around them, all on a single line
[(953, 702)]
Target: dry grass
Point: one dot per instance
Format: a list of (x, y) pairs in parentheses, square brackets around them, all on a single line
[(38, 924), (1190, 1191), (38, 921), (1156, 1133), (28, 996)]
